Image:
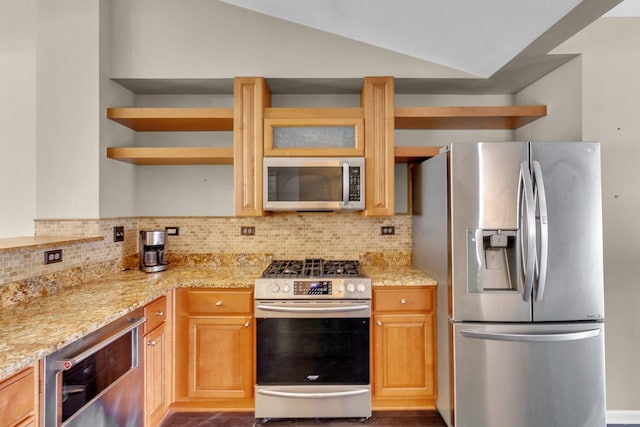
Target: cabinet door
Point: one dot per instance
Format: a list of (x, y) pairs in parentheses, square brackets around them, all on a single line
[(251, 96), (18, 399), (220, 357), (323, 135), (404, 356), (377, 103), (156, 375)]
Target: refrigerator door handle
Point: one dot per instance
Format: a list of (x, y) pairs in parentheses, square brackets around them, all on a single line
[(528, 244), (544, 230), (515, 337)]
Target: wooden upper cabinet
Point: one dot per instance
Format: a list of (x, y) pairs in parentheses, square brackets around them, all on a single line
[(251, 97), (333, 132), (378, 106)]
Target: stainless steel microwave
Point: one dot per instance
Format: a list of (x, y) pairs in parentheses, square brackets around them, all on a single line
[(313, 183)]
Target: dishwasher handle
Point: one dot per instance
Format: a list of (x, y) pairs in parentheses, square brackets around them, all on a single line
[(68, 363)]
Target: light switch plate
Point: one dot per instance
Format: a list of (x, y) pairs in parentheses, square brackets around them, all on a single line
[(172, 231)]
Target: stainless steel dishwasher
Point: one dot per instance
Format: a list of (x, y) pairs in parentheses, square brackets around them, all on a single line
[(98, 380)]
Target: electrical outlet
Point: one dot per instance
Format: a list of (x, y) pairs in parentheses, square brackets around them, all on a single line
[(388, 230), (172, 231), (247, 231), (118, 233), (53, 256)]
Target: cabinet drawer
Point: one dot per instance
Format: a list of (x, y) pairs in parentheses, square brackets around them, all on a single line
[(156, 314), (220, 302), (17, 398), (403, 299)]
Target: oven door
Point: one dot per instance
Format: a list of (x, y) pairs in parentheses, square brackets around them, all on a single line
[(313, 358), (303, 342)]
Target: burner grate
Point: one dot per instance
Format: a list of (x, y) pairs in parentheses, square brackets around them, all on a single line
[(312, 267), (280, 269)]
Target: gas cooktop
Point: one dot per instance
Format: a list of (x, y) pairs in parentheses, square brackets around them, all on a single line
[(313, 278), (312, 267)]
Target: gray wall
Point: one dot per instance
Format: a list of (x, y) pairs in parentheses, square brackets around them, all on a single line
[(610, 114), (595, 98), (67, 109), (17, 117)]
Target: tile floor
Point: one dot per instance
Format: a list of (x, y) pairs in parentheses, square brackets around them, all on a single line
[(246, 419)]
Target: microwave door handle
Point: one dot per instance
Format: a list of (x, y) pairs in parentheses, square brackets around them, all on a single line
[(345, 184)]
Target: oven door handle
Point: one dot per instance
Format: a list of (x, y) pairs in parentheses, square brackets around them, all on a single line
[(65, 364), (326, 395), (313, 309)]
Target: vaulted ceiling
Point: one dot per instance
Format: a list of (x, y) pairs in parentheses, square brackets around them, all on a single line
[(486, 46)]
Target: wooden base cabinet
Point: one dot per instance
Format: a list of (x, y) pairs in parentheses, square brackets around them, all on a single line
[(19, 399), (404, 370), (214, 349), (157, 360)]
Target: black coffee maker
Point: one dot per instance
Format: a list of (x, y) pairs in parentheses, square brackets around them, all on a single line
[(152, 250)]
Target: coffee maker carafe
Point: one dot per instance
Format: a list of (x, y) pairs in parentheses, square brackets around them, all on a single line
[(152, 250)]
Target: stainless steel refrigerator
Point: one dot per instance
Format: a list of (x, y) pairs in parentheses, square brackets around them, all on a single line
[(512, 231)]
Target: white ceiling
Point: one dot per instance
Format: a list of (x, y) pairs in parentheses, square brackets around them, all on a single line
[(475, 37), (628, 8)]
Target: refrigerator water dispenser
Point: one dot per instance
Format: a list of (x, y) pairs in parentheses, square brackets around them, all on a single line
[(492, 260)]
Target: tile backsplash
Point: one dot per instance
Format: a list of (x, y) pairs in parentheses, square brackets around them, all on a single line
[(23, 273), (287, 236)]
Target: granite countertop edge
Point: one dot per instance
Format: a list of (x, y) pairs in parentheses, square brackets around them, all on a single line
[(32, 330)]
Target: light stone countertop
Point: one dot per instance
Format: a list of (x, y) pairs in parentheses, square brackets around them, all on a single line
[(31, 330)]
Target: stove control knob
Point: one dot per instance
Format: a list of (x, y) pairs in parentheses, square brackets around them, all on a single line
[(351, 287), (361, 288), (275, 288), (341, 289), (286, 289)]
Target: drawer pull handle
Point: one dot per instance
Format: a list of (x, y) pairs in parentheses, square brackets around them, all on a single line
[(160, 313), (379, 323), (247, 324), (152, 343), (219, 303), (403, 301)]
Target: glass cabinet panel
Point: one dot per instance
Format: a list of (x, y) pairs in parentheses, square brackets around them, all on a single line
[(314, 137), (327, 136)]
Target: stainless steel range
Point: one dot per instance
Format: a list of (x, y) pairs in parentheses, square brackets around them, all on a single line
[(312, 340)]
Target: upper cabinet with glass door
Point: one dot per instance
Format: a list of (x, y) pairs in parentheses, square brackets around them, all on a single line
[(324, 132)]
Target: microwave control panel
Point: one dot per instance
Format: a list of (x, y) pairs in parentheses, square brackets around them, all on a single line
[(354, 183)]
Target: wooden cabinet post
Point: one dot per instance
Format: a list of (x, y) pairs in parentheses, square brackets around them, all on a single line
[(377, 102), (251, 96), (157, 359)]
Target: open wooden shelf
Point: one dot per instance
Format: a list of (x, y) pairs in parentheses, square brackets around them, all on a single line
[(505, 117), (224, 155), (414, 154), (173, 119), (172, 155)]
